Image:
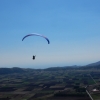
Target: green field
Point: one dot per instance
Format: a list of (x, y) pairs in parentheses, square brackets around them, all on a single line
[(49, 85)]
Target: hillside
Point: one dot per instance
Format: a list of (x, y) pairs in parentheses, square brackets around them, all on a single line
[(94, 64), (11, 70)]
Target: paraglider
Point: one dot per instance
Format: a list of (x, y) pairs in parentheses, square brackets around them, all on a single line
[(35, 34)]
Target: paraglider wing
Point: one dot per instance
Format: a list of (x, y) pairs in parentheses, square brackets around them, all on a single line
[(35, 34)]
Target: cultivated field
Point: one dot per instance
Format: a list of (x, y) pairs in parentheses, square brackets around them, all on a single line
[(70, 84)]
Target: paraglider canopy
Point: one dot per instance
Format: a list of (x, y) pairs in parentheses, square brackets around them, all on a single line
[(35, 34)]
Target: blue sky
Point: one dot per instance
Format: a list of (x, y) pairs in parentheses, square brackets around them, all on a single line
[(72, 26)]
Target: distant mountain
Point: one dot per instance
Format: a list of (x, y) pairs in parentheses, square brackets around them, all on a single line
[(94, 64), (11, 70), (60, 68)]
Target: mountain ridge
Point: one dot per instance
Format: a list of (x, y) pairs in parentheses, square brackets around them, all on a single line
[(95, 65)]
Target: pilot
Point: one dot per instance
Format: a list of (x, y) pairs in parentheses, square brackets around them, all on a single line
[(33, 57)]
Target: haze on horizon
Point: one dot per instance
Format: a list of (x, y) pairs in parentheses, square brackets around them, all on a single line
[(72, 27)]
